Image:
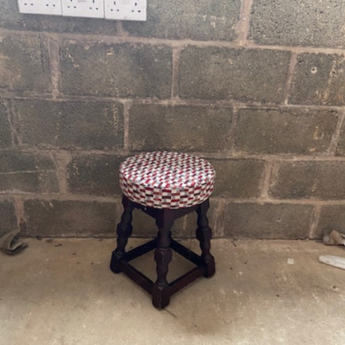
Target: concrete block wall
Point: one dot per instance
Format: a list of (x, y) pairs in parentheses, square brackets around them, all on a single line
[(255, 86)]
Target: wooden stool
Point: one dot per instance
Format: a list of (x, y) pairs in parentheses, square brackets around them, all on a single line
[(166, 186)]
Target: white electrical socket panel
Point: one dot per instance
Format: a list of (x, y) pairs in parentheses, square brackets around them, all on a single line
[(83, 8), (109, 9), (52, 7), (125, 9)]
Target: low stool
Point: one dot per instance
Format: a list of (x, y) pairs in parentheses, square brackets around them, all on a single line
[(165, 186)]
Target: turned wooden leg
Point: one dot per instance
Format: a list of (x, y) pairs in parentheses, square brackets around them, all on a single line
[(204, 235), (163, 256), (124, 231)]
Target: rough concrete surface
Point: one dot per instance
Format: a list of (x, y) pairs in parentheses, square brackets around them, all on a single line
[(198, 128), (295, 22), (77, 125), (5, 131), (318, 79), (255, 86), (241, 74), (341, 145), (197, 19), (94, 174), (24, 64), (331, 217), (62, 292), (288, 131), (266, 220), (8, 219), (122, 70), (237, 178), (70, 218), (318, 180), (27, 172)]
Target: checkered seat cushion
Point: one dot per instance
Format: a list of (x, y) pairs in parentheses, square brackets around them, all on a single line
[(166, 179)]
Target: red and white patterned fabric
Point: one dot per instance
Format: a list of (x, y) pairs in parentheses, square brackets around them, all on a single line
[(166, 179)]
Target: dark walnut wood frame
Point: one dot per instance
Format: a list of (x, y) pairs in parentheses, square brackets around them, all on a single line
[(161, 290)]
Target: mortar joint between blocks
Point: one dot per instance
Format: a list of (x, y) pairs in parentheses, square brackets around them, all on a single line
[(336, 135), (54, 49), (175, 72), (20, 213), (289, 79), (233, 128), (314, 222), (61, 160), (243, 25), (266, 178), (126, 113)]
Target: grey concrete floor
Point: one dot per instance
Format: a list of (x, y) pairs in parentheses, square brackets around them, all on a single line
[(63, 293)]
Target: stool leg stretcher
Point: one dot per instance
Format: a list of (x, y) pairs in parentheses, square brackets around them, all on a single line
[(161, 290)]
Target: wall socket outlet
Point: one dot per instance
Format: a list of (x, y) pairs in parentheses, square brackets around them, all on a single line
[(109, 9), (83, 8), (125, 9), (52, 7)]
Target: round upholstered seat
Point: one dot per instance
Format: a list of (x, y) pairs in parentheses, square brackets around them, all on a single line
[(166, 179)]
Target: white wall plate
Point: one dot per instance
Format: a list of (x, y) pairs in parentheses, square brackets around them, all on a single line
[(52, 7), (109, 9), (125, 9), (83, 8)]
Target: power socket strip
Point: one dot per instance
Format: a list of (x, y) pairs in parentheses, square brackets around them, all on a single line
[(125, 9), (83, 8), (108, 9), (52, 7)]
